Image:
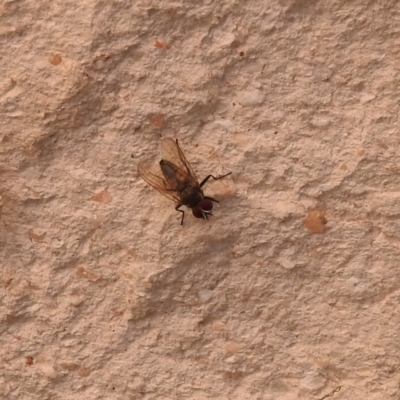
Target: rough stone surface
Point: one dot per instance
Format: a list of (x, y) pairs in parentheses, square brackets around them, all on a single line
[(105, 296)]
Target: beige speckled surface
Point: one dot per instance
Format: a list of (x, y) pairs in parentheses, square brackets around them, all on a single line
[(103, 295)]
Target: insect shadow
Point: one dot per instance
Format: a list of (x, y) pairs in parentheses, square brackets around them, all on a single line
[(174, 178)]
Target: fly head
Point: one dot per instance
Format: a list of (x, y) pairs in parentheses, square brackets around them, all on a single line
[(203, 209)]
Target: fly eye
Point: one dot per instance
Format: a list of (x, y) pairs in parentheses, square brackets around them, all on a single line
[(206, 205), (203, 209), (197, 212)]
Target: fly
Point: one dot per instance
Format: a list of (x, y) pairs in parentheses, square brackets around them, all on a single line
[(174, 178)]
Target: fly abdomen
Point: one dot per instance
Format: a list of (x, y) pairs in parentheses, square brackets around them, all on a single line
[(174, 178), (179, 182)]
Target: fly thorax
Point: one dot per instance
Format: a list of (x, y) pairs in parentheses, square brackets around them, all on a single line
[(191, 196)]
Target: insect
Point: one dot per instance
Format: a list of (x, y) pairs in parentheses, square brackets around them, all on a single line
[(174, 178)]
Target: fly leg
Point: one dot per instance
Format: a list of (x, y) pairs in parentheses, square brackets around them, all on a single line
[(212, 199), (204, 181), (177, 208), (205, 215)]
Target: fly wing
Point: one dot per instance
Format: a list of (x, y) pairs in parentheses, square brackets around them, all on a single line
[(171, 151), (152, 174)]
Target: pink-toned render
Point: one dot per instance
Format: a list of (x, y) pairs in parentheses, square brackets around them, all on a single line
[(290, 291)]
